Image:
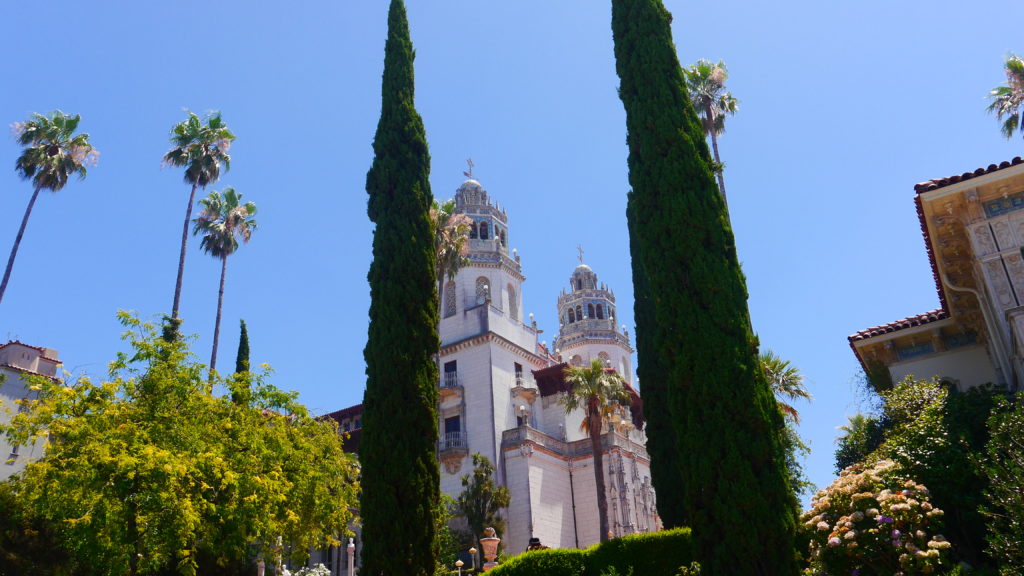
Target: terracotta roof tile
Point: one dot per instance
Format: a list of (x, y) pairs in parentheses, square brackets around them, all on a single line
[(937, 183), (911, 322)]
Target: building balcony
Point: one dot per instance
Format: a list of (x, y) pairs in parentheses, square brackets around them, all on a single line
[(451, 385), (453, 442)]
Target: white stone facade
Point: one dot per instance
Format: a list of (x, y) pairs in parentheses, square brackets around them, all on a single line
[(493, 403), (17, 361)]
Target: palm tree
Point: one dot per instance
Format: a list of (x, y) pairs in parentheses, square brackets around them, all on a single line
[(787, 383), (1007, 100), (705, 82), (601, 392), (451, 242), (200, 149), (223, 222), (52, 153)]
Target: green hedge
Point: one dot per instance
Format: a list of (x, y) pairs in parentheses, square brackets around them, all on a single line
[(655, 554)]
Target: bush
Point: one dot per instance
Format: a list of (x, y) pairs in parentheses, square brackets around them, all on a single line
[(648, 554), (554, 562), (655, 554), (875, 521)]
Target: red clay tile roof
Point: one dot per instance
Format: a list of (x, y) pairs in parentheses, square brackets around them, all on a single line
[(942, 182), (349, 412), (42, 351), (913, 321)]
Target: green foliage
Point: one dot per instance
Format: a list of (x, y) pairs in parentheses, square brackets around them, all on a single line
[(450, 541), (242, 357), (1008, 100), (692, 315), (932, 438), (52, 152), (692, 570), (1005, 499), (398, 449), (152, 470), (875, 521), (553, 562), (481, 499), (654, 554), (28, 546), (862, 436)]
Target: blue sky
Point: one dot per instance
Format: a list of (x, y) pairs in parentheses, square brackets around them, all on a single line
[(843, 108)]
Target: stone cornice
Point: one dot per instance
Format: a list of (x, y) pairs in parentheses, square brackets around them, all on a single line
[(491, 337)]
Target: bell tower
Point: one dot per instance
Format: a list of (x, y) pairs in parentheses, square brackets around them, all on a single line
[(587, 330)]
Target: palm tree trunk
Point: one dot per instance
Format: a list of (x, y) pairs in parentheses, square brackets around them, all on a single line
[(718, 161), (220, 304), (17, 242), (595, 443), (181, 257)]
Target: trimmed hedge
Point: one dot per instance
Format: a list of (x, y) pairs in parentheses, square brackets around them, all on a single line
[(655, 554)]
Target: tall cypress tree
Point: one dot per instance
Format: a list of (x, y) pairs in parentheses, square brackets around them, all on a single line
[(398, 449), (692, 317), (242, 358)]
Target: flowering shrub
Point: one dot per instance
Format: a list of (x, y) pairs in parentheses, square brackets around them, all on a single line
[(873, 521)]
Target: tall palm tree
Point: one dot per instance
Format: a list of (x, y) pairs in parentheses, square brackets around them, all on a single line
[(705, 82), (223, 221), (200, 149), (52, 153), (601, 393), (1008, 100), (787, 383), (451, 242)]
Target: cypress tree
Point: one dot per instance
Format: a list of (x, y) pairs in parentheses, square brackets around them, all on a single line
[(692, 317), (398, 451), (242, 358)]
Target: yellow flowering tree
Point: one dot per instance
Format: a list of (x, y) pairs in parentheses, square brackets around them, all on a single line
[(157, 469)]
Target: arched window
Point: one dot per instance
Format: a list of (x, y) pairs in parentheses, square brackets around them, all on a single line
[(600, 312), (579, 313), (483, 290), (484, 231), (576, 360), (590, 311), (605, 358), (449, 299), (579, 284), (513, 304), (501, 235), (472, 230), (572, 316)]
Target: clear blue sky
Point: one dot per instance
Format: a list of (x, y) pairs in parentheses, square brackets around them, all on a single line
[(843, 108)]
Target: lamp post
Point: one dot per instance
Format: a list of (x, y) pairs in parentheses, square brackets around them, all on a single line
[(351, 557), (458, 564), (472, 557)]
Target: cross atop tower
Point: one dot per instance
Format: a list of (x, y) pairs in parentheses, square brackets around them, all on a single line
[(580, 249), (469, 173)]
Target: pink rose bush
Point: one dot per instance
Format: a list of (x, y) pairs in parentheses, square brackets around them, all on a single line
[(873, 521)]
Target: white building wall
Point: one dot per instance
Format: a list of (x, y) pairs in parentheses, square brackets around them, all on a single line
[(968, 366)]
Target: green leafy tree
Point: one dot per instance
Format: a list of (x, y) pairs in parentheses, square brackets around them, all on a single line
[(51, 154), (481, 500), (930, 436), (151, 471), (693, 312), (600, 393), (398, 450), (787, 384), (1005, 500), (705, 82), (223, 222), (200, 149), (862, 435), (242, 357), (1008, 100)]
